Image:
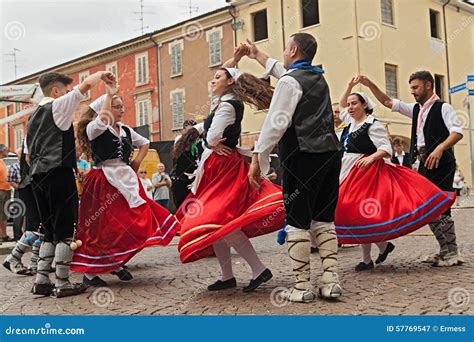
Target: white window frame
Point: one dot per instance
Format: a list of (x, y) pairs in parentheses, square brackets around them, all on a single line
[(82, 76), (177, 117), (111, 67), (18, 135), (176, 66), (215, 55), (143, 103), (142, 70)]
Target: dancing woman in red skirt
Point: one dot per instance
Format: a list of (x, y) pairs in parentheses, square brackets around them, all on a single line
[(378, 201), (116, 217), (223, 211)]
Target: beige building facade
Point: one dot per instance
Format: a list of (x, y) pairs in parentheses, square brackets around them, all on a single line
[(386, 40)]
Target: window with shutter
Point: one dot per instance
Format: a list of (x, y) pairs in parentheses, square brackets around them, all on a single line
[(387, 12), (391, 82)]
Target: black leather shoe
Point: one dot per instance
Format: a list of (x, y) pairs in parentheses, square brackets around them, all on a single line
[(362, 266), (42, 289), (70, 289), (123, 274), (96, 281), (262, 278), (222, 285), (382, 256)]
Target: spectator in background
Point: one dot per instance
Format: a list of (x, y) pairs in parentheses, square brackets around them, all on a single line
[(162, 183), (82, 164), (82, 167), (458, 183), (14, 178), (4, 195), (339, 125), (146, 182), (399, 156)]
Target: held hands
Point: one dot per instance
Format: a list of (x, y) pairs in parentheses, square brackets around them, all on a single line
[(253, 50), (241, 51), (107, 77)]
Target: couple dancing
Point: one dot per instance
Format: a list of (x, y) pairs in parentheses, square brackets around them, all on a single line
[(232, 209)]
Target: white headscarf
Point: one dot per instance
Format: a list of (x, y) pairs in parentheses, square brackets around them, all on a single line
[(234, 73), (370, 104)]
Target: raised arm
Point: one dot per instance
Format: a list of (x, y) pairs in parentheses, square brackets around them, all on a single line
[(343, 101), (239, 52), (379, 94)]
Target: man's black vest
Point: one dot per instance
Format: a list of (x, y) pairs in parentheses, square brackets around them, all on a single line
[(312, 126), (231, 132), (358, 141), (434, 131), (108, 146), (406, 160), (48, 146)]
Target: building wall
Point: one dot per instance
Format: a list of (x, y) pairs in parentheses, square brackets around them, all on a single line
[(197, 70)]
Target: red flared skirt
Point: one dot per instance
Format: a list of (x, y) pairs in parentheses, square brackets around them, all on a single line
[(112, 232), (225, 202), (385, 201)]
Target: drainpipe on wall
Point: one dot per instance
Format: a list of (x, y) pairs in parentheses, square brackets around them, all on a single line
[(232, 12), (282, 24), (357, 37), (446, 46), (160, 92)]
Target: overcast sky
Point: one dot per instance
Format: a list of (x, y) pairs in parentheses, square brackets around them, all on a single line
[(48, 33)]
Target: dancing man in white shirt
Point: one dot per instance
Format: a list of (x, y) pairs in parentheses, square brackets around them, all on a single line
[(300, 120)]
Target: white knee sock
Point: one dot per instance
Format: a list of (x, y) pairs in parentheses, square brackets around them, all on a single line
[(222, 251), (63, 257), (366, 247), (381, 246), (46, 256), (241, 243)]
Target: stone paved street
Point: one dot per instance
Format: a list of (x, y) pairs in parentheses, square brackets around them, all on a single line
[(163, 286)]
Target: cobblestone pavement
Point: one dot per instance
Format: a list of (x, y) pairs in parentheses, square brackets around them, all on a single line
[(163, 286)]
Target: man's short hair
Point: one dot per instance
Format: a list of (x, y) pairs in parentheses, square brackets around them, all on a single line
[(424, 76), (48, 80), (306, 44)]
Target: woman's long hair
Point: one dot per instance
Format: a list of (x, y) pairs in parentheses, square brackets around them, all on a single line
[(185, 142), (86, 116), (252, 90)]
